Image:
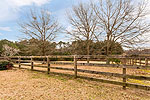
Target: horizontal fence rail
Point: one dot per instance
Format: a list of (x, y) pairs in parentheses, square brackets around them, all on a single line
[(4, 58), (116, 61)]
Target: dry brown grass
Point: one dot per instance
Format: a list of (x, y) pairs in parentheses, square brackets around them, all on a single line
[(101, 69), (19, 84)]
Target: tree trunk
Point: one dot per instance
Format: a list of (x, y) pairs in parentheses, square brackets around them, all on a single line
[(43, 53), (107, 51), (88, 51)]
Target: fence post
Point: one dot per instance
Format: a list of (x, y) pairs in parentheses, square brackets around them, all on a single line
[(75, 66), (146, 61), (88, 59), (132, 61), (19, 62), (140, 61), (124, 72), (32, 63), (48, 65), (125, 61), (124, 77), (129, 61)]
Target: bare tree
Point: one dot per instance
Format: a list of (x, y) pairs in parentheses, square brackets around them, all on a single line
[(84, 24), (122, 21), (41, 26)]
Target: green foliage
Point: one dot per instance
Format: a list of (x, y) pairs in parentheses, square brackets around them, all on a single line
[(115, 48), (5, 65), (31, 47), (115, 60), (134, 55), (96, 48)]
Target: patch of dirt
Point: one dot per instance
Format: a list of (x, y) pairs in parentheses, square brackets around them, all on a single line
[(20, 84)]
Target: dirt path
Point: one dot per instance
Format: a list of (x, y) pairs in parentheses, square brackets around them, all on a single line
[(19, 84)]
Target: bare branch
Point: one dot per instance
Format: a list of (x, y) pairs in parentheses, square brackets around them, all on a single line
[(41, 26)]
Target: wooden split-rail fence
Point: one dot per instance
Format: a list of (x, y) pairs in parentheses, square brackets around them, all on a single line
[(140, 62), (4, 58)]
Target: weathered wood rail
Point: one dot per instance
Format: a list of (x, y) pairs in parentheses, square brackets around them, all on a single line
[(126, 62), (4, 58)]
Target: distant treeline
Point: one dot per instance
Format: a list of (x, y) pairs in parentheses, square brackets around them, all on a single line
[(32, 47)]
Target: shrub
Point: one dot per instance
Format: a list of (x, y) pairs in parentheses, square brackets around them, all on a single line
[(117, 61), (4, 65)]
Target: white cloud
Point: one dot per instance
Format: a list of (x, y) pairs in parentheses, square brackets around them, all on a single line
[(10, 8), (19, 3), (5, 29)]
